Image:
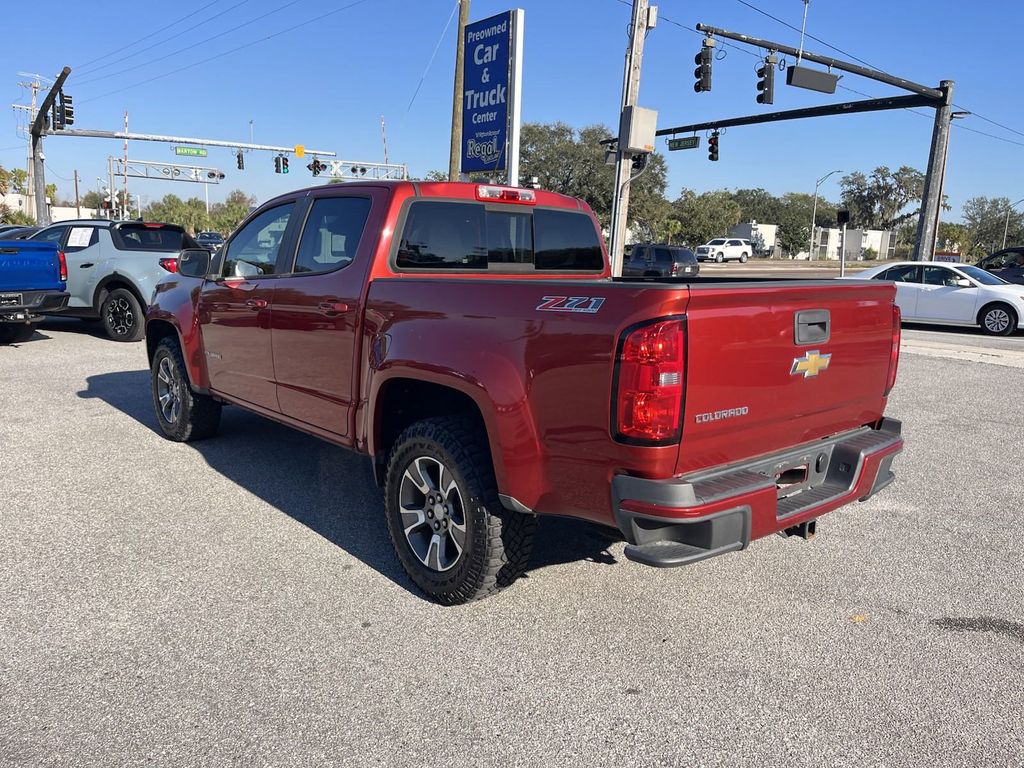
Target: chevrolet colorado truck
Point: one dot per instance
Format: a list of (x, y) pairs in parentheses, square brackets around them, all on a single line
[(33, 278), (471, 341)]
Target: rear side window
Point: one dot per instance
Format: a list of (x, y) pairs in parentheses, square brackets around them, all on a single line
[(683, 256), (331, 235), (446, 235), (662, 255), (907, 273), (139, 237)]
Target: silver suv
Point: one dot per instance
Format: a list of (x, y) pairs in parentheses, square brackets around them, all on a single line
[(113, 267), (725, 249)]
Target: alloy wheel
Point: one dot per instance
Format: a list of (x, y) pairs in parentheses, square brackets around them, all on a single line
[(120, 318), (433, 513), (168, 391), (997, 320)]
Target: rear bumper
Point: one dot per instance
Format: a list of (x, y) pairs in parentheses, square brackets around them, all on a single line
[(33, 303), (682, 520)]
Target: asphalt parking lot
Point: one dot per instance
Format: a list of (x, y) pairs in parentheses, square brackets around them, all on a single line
[(237, 601)]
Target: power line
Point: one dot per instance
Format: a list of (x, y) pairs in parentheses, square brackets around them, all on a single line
[(160, 31), (200, 42), (440, 39), (868, 64), (228, 52)]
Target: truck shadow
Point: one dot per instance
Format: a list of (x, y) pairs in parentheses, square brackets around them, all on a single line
[(328, 489)]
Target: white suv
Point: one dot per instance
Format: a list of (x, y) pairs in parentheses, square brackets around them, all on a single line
[(725, 249)]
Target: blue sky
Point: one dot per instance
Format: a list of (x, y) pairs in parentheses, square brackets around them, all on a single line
[(326, 84)]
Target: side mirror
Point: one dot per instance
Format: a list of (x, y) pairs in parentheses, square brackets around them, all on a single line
[(194, 262), (963, 282)]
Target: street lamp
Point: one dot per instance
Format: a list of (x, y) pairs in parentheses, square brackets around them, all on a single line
[(814, 213), (1006, 226)]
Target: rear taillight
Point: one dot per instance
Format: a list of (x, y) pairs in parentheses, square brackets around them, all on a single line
[(63, 266), (675, 269), (171, 265), (894, 352), (649, 383)]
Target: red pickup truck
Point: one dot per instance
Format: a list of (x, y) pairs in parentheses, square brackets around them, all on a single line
[(471, 341)]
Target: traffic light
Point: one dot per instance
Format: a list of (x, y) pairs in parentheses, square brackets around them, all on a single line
[(277, 163), (240, 160), (62, 114), (766, 80), (703, 62), (713, 147), (284, 164), (639, 162), (316, 167)]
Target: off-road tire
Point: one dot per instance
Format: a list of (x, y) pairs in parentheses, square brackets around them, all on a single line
[(497, 543), (198, 416), (122, 316), (15, 333), (998, 319)]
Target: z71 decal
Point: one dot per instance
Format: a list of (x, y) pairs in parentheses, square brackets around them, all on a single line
[(587, 304)]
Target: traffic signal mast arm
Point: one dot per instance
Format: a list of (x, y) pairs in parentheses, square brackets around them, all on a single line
[(845, 66)]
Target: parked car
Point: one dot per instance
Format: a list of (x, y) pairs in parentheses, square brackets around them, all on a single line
[(953, 294), (470, 340), (657, 260), (32, 280), (212, 241), (1007, 264), (725, 249), (114, 266)]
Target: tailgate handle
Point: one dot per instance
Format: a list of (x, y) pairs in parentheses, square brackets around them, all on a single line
[(812, 326)]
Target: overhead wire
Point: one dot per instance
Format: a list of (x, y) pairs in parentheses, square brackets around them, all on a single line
[(199, 43), (872, 66), (292, 28), (160, 31), (437, 46)]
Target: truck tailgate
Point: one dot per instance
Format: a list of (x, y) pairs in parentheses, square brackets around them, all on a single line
[(28, 266), (752, 387)]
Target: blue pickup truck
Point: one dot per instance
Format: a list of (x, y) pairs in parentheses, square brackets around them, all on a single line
[(33, 280)]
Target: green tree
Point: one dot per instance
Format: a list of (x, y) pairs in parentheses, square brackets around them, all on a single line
[(227, 215), (19, 181), (880, 200), (986, 218), (571, 162), (952, 237), (171, 209), (91, 199), (704, 216)]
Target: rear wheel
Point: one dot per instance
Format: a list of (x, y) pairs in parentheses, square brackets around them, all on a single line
[(998, 320), (720, 257), (448, 528), (743, 258), (183, 415), (121, 314), (15, 333)]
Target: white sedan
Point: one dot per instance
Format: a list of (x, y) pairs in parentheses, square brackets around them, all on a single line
[(953, 294)]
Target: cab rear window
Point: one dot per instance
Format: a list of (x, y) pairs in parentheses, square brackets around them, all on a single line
[(468, 236), (140, 237)]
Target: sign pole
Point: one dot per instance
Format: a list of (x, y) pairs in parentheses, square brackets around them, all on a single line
[(457, 101), (515, 93)]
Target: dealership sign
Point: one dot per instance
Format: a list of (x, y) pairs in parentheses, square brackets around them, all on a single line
[(492, 71)]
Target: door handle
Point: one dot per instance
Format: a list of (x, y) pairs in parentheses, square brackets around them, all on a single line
[(333, 307), (256, 303), (86, 265)]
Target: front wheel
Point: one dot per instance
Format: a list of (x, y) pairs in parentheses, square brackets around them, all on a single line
[(121, 314), (183, 415), (743, 258), (720, 258), (448, 528), (15, 333), (998, 320)]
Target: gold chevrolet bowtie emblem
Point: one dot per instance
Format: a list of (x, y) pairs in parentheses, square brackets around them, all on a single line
[(810, 364)]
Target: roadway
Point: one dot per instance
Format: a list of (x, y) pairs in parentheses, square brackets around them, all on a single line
[(237, 602)]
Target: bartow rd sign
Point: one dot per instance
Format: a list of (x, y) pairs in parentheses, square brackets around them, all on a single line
[(689, 142), (490, 101), (190, 151)]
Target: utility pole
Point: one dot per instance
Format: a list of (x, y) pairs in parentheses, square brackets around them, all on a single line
[(37, 130), (455, 156), (641, 22), (78, 201), (814, 213), (384, 138), (931, 202), (126, 214)]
